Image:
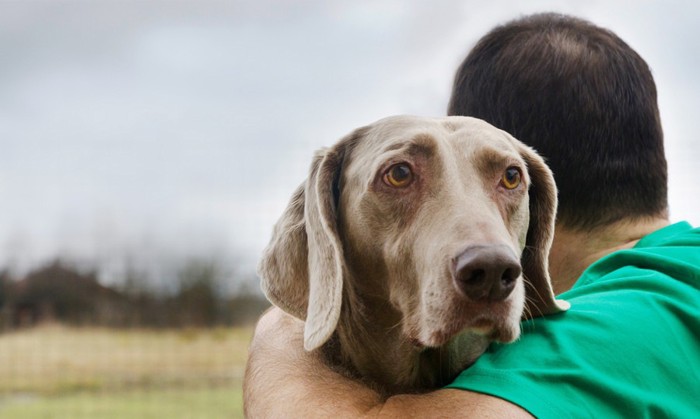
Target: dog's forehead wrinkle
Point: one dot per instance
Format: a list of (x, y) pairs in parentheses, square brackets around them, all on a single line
[(403, 133), (422, 144)]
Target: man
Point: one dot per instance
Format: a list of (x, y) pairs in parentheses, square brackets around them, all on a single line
[(630, 344)]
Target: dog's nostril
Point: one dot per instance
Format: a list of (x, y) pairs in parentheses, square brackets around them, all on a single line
[(510, 275), (507, 282), (486, 272)]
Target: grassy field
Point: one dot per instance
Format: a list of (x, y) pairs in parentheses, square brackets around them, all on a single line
[(59, 372)]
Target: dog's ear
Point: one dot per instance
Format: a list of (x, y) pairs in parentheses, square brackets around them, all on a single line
[(535, 258), (302, 267), (283, 269)]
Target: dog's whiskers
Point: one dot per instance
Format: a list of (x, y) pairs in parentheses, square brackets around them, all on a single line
[(398, 324), (532, 300)]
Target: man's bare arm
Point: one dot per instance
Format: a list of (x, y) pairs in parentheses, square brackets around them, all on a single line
[(283, 380)]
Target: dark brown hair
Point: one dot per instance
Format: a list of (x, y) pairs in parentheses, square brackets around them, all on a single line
[(583, 99)]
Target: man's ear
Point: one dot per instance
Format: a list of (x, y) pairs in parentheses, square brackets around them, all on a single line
[(302, 267), (540, 299)]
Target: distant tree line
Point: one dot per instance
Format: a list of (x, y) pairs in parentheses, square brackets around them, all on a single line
[(59, 292)]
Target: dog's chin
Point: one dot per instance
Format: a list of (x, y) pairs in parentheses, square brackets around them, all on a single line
[(492, 333), (503, 333), (503, 329)]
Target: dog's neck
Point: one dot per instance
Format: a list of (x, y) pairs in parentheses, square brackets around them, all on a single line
[(575, 250), (370, 342)]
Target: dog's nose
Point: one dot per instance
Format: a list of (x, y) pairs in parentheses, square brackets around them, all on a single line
[(486, 273)]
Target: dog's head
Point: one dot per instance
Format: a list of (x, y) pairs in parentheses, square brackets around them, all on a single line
[(450, 220)]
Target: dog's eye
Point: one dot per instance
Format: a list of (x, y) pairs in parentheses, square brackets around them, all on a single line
[(398, 175), (511, 178)]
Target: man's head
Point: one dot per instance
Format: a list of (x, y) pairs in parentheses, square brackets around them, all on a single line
[(583, 99)]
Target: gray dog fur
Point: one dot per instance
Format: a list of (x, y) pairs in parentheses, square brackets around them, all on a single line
[(371, 267)]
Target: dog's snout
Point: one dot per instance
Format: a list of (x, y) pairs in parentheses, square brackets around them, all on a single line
[(486, 273)]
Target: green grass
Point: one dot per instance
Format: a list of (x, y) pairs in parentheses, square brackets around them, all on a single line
[(59, 372), (191, 403)]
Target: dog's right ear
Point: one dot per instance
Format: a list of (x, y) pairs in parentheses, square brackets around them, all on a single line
[(302, 267), (284, 268)]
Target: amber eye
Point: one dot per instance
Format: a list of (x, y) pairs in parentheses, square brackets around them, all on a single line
[(398, 175), (511, 178)]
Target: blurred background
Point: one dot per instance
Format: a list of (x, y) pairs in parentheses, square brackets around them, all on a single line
[(148, 147)]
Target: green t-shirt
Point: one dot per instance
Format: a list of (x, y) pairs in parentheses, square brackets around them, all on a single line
[(628, 347)]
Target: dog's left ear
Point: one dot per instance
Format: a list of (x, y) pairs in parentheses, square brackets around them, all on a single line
[(539, 294)]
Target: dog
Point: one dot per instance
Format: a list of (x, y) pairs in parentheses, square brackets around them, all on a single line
[(413, 244)]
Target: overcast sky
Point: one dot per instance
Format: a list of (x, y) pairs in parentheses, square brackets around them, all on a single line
[(152, 131)]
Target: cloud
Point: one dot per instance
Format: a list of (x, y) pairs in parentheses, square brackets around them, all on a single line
[(188, 124)]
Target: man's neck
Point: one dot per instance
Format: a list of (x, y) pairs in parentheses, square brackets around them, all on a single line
[(574, 250)]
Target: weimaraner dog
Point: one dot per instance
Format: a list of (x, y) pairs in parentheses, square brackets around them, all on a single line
[(413, 244)]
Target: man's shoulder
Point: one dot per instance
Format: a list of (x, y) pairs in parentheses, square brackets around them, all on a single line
[(670, 255), (631, 323)]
